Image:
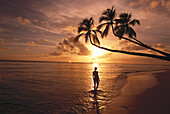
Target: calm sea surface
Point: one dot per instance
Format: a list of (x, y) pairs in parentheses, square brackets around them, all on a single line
[(61, 88)]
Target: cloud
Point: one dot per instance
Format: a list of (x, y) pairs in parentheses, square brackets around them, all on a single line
[(23, 20), (72, 29), (154, 4), (37, 22), (26, 49), (55, 53), (5, 48), (162, 2), (2, 43), (159, 45), (134, 3), (150, 4), (107, 55), (43, 40), (132, 47), (122, 42), (68, 46), (126, 45), (168, 5), (146, 28), (45, 23), (32, 43)]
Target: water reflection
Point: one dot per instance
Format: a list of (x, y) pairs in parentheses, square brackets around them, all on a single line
[(57, 87), (95, 102)]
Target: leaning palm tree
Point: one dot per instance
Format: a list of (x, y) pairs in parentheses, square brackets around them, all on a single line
[(86, 28), (122, 26)]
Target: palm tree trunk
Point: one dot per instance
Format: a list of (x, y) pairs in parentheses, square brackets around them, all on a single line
[(142, 44), (132, 53)]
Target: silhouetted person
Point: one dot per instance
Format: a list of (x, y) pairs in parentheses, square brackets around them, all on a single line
[(96, 78)]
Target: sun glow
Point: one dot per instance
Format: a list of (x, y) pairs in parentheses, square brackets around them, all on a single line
[(95, 65), (97, 52)]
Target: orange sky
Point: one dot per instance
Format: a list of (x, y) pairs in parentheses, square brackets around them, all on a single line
[(32, 30)]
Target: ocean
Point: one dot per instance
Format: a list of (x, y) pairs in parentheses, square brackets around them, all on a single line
[(62, 88)]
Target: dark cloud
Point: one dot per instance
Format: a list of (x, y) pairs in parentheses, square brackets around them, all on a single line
[(133, 47), (71, 47), (55, 53)]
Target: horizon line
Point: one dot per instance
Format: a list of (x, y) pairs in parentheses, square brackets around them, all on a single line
[(66, 62)]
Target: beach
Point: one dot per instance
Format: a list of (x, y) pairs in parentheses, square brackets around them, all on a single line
[(143, 94)]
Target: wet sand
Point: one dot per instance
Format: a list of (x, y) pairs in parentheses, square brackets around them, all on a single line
[(144, 94)]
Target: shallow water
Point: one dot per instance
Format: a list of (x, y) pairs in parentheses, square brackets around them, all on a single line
[(42, 87)]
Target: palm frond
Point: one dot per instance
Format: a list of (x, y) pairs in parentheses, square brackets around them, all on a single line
[(80, 29), (95, 39), (105, 32), (86, 37), (131, 32), (134, 21), (94, 31), (103, 18), (97, 31), (119, 21), (91, 21), (112, 8), (101, 25), (129, 16), (77, 37), (105, 12), (123, 16), (84, 22), (113, 14), (120, 31)]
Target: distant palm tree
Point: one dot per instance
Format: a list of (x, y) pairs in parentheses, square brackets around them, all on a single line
[(86, 28), (123, 26)]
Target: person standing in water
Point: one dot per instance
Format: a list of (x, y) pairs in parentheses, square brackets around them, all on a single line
[(96, 78)]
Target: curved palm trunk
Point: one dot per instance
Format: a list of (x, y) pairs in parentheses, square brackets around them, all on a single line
[(142, 44), (132, 53)]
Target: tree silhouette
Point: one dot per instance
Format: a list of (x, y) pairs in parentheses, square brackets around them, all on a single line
[(120, 27), (86, 28)]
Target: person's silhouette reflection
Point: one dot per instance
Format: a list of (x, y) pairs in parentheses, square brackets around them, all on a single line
[(95, 103)]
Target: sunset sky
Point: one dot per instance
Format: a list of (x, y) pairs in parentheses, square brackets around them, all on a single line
[(43, 30)]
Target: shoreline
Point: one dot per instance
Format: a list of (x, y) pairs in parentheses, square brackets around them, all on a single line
[(142, 95)]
